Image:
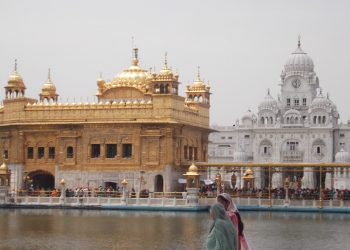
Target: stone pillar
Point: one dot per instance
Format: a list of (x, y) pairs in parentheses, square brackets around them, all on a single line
[(192, 198)]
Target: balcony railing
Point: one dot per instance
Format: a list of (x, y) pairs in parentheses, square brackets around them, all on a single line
[(292, 156)]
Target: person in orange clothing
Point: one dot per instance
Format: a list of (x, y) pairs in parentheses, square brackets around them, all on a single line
[(54, 193), (232, 212)]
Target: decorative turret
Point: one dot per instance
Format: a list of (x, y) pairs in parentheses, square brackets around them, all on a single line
[(198, 92), (101, 87), (15, 87), (166, 82), (48, 91)]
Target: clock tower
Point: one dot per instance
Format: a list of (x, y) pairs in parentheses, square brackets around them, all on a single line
[(299, 82)]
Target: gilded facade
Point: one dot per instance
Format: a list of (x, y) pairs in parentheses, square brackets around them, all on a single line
[(140, 129)]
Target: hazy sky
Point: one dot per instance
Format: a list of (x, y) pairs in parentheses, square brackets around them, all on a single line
[(240, 46)]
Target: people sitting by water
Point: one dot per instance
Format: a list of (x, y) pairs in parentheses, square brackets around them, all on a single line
[(222, 234), (232, 212)]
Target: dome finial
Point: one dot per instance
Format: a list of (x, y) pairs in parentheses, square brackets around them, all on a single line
[(166, 60), (268, 91), (49, 75), (299, 43), (100, 75), (135, 61), (198, 74), (15, 65)]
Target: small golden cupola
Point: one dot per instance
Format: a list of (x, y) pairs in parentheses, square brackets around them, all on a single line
[(166, 82), (198, 92), (101, 86), (15, 87), (48, 91)]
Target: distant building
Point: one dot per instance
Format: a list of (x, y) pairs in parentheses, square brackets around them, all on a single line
[(140, 129), (300, 125)]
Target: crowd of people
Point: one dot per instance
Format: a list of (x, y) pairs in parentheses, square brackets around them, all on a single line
[(100, 191), (280, 193)]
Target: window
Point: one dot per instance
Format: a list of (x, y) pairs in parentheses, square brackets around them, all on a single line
[(6, 154), (304, 101), (95, 150), (195, 152), (246, 136), (296, 102), (230, 137), (223, 137), (265, 150), (190, 152), (70, 151), (111, 150), (41, 152), (288, 102), (30, 152), (318, 150), (185, 152), (51, 152), (342, 135), (127, 150), (292, 145)]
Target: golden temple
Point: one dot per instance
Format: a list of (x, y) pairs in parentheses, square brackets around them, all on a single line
[(139, 126)]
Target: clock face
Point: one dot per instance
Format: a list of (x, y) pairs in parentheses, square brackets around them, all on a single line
[(296, 83)]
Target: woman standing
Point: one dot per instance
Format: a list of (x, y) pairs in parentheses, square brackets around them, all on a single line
[(232, 212), (220, 234)]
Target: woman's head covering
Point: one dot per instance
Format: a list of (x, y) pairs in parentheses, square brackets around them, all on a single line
[(218, 211), (228, 198)]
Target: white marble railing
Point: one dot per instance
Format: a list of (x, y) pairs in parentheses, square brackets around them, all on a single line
[(171, 202)]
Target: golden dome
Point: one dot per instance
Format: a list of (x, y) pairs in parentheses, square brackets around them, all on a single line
[(3, 168), (48, 87), (198, 84), (15, 79), (134, 76), (192, 170), (166, 72)]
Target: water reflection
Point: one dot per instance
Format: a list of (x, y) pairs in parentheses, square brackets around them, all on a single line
[(94, 229)]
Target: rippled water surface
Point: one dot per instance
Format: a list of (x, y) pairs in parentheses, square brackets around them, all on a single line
[(93, 229)]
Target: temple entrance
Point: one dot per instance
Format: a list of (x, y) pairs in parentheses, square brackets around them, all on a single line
[(41, 179), (158, 183)]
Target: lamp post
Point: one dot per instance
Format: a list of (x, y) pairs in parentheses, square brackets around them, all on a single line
[(124, 183), (63, 192), (192, 186)]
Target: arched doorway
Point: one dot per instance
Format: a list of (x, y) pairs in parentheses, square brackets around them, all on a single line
[(158, 183), (42, 179)]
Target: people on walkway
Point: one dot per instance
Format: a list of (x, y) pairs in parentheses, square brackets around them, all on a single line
[(222, 234), (232, 212)]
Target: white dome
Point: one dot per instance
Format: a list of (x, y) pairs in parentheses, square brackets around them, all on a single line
[(268, 103), (248, 115), (299, 61), (342, 156), (322, 102)]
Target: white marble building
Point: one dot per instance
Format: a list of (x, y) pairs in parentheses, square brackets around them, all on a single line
[(300, 125)]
